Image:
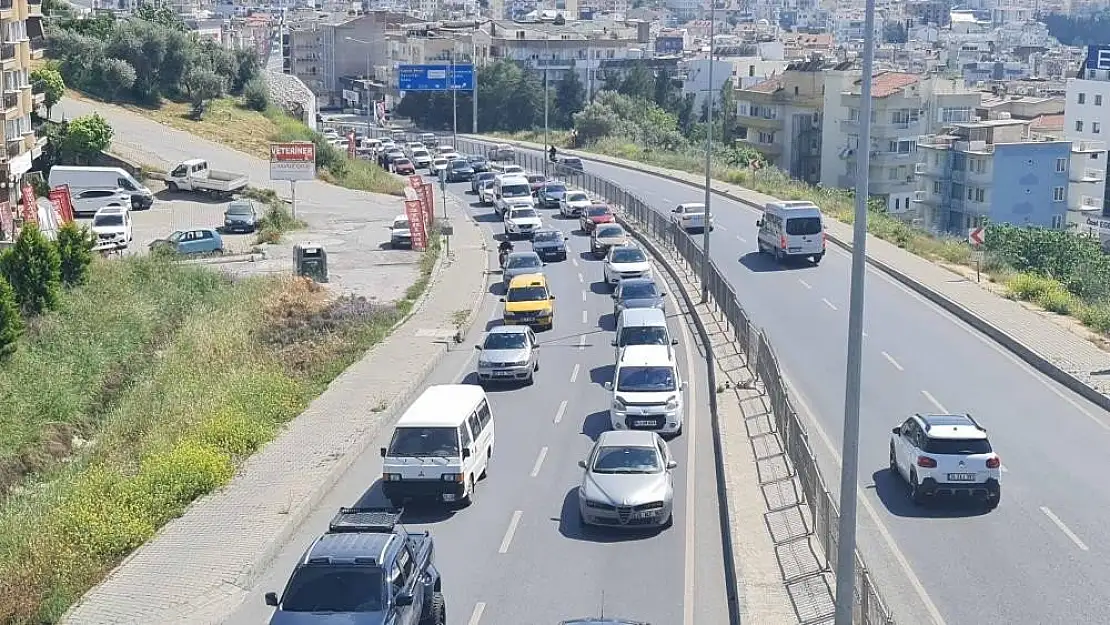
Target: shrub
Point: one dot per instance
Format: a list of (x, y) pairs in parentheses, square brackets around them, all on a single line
[(256, 95), (75, 244), (1058, 301), (1096, 316), (34, 270), (1026, 286), (11, 324)]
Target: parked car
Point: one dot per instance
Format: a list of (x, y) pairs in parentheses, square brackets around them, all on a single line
[(86, 202), (595, 215), (192, 241), (400, 233), (573, 203), (404, 167), (551, 194), (195, 175), (479, 178), (240, 216), (112, 226), (549, 243), (459, 171), (478, 162)]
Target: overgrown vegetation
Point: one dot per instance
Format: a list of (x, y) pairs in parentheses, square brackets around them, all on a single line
[(276, 218)]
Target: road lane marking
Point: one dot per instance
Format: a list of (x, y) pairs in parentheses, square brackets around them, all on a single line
[(892, 361), (583, 296), (574, 261), (1064, 528), (741, 239), (539, 462), (580, 278), (559, 413), (509, 533), (933, 401), (476, 615), (719, 227), (582, 342), (804, 283), (689, 569), (828, 303), (574, 374), (585, 317)]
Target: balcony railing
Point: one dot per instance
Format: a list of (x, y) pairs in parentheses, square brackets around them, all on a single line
[(5, 5), (15, 147), (7, 50), (34, 2), (10, 100)]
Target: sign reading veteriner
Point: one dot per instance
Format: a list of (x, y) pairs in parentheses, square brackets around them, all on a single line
[(295, 160)]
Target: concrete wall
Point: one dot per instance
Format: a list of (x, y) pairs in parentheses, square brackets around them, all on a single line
[(289, 93), (1024, 178)]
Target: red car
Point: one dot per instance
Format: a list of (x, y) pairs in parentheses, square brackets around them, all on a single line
[(404, 167), (537, 182), (594, 215)]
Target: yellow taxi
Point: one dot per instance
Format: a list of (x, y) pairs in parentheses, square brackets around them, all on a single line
[(529, 302)]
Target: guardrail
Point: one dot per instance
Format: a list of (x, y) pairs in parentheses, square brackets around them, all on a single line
[(869, 608)]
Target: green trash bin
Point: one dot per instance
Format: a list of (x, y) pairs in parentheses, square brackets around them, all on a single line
[(311, 260)]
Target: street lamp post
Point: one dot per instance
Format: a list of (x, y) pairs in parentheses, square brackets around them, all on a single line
[(546, 98), (454, 103), (707, 220), (369, 73)]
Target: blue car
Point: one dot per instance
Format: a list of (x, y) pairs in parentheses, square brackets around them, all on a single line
[(549, 243), (459, 171), (192, 241)]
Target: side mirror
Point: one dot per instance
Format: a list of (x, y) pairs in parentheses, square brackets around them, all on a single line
[(671, 464), (613, 296), (662, 294), (897, 431), (759, 223), (684, 384), (466, 453), (383, 452), (478, 347), (608, 386), (502, 299), (402, 600), (271, 599), (613, 343), (674, 341), (582, 463), (552, 297)]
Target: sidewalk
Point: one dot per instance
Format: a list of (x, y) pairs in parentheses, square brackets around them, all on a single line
[(200, 566), (1034, 334)]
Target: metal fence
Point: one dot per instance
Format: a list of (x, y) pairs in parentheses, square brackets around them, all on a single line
[(869, 608)]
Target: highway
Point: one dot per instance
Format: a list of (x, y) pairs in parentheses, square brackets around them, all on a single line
[(518, 556), (1033, 560)]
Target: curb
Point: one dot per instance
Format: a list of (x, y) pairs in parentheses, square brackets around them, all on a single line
[(1013, 345)]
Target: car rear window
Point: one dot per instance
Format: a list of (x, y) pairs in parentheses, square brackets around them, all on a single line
[(803, 225), (957, 446)]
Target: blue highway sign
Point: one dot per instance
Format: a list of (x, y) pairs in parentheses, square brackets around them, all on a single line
[(435, 77)]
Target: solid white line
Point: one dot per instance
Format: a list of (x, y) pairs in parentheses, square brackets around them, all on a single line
[(1064, 528), (828, 303), (741, 239), (582, 342), (585, 317), (559, 413), (574, 374), (933, 401), (892, 361), (580, 278), (539, 462), (508, 539), (690, 427), (574, 261), (476, 615), (804, 283)]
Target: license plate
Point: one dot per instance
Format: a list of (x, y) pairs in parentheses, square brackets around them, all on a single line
[(501, 374), (644, 423), (645, 515), (794, 249), (961, 477), (449, 497)]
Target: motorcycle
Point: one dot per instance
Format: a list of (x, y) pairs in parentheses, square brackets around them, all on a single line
[(502, 256)]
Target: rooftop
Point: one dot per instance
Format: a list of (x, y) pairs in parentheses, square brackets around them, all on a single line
[(952, 426), (348, 546), (886, 84), (767, 86)]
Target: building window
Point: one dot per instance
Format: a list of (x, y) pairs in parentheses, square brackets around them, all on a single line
[(1095, 127), (1082, 98), (1098, 99), (1079, 125), (893, 173), (936, 187), (1061, 165), (1057, 221), (954, 115), (975, 194), (853, 115), (1058, 194)]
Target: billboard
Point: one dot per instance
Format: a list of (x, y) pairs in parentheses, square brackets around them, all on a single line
[(415, 213), (30, 205), (435, 77), (60, 198), (295, 160)]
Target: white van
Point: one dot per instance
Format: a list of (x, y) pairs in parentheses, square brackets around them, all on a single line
[(647, 390), (641, 326), (511, 190), (441, 446), (80, 178), (792, 229)]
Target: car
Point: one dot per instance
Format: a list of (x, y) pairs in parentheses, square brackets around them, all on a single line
[(641, 326), (400, 232), (691, 216), (459, 171), (404, 167), (647, 390), (191, 241), (512, 169), (478, 162), (595, 214), (486, 192), (87, 201), (790, 230), (422, 159), (439, 164), (549, 243), (551, 194), (627, 481), (520, 263), (479, 177), (638, 293), (367, 568), (429, 140), (443, 149), (536, 181), (569, 165), (502, 152), (453, 156), (112, 226), (240, 216), (946, 454), (573, 203), (606, 236), (509, 353), (528, 301), (412, 146), (624, 262), (394, 155), (521, 222)]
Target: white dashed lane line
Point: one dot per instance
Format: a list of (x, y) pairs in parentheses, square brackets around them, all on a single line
[(574, 374), (582, 342), (581, 279), (892, 361), (585, 317), (583, 296), (559, 413), (476, 615), (539, 462), (1064, 528), (804, 283), (933, 401), (574, 261), (828, 303), (510, 532)]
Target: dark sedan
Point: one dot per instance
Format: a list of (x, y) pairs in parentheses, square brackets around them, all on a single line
[(549, 244), (240, 216), (551, 194), (479, 163), (637, 293), (459, 171)]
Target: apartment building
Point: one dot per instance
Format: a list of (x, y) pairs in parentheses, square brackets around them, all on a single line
[(904, 107), (781, 118), (992, 171), (22, 43), (1087, 118)]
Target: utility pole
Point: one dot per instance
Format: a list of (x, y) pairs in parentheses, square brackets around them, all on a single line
[(454, 103), (708, 218), (546, 99), (474, 68), (849, 472)]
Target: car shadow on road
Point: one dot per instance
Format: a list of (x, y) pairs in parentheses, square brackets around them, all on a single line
[(607, 322), (414, 512), (596, 423), (488, 218), (761, 263), (587, 256), (497, 287), (571, 526), (601, 375), (492, 387), (894, 493), (601, 288)]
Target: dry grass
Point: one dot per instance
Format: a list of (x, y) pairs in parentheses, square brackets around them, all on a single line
[(226, 121)]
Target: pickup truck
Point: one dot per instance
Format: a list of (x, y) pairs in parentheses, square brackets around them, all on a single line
[(367, 569), (195, 175)]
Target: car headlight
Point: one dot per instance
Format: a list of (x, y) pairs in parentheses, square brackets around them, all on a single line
[(672, 402), (451, 477), (391, 477), (618, 404), (227, 222)]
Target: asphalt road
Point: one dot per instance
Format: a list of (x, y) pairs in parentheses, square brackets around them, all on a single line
[(1036, 559), (544, 567)]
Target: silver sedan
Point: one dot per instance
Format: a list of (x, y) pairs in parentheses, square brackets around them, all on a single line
[(627, 481), (509, 354)]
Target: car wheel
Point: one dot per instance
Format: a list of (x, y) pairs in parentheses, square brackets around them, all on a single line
[(536, 367), (817, 258), (437, 611), (468, 500), (917, 496), (172, 186), (992, 503), (893, 462)]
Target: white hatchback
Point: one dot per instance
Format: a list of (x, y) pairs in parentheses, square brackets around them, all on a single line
[(626, 261)]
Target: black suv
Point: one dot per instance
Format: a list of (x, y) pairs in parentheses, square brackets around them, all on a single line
[(368, 569)]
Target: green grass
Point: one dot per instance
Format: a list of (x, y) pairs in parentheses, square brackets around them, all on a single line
[(276, 219), (174, 375)]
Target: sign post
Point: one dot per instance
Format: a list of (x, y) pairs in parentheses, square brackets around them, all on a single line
[(293, 161), (7, 222), (446, 227), (976, 237)]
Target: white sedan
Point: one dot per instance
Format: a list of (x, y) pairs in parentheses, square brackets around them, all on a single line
[(573, 203), (439, 166), (626, 261), (522, 222), (691, 216), (486, 193)]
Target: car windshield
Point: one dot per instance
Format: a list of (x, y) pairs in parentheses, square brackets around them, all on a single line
[(111, 219), (513, 169), (609, 232), (240, 209), (577, 197), (430, 441), (515, 190), (334, 588), (524, 213), (957, 446), (536, 178), (527, 294), (401, 224), (523, 262), (554, 188), (627, 460), (505, 340), (460, 165), (544, 237), (572, 161), (644, 335), (597, 211), (419, 153), (628, 256), (645, 290), (486, 175), (175, 237), (646, 379), (803, 225), (402, 161)]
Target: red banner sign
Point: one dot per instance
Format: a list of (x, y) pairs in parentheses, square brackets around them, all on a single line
[(415, 212), (7, 222), (416, 182), (60, 198), (30, 206), (351, 144), (428, 202)]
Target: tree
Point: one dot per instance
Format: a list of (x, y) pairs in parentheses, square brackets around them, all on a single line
[(639, 83), (202, 84), (47, 80), (75, 244), (727, 113), (256, 94), (85, 137), (11, 324), (894, 32), (570, 98), (161, 15), (117, 78), (34, 270)]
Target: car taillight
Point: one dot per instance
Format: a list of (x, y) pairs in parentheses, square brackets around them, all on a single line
[(926, 462), (994, 463), (782, 242)]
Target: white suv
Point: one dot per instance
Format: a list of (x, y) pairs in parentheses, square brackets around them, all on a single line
[(940, 454), (522, 221), (112, 226), (647, 390)]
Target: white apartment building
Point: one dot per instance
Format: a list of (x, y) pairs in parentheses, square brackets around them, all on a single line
[(1087, 119)]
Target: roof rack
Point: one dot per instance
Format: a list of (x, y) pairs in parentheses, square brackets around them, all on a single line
[(352, 520)]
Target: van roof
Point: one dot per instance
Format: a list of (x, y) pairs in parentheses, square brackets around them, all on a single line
[(513, 179), (442, 405), (87, 168), (646, 356), (639, 317), (794, 206)]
